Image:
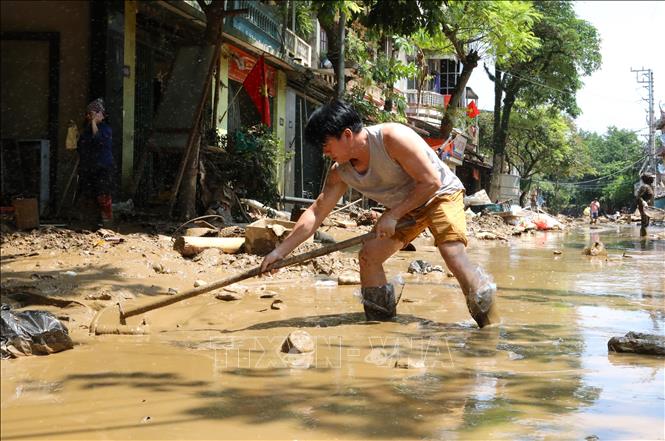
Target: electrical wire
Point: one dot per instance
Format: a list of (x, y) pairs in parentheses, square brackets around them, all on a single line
[(595, 180)]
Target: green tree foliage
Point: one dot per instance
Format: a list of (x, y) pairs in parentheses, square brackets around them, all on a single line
[(549, 74), (544, 142), (473, 30), (616, 159)]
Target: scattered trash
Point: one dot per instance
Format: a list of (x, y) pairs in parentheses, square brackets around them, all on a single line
[(31, 333), (420, 267)]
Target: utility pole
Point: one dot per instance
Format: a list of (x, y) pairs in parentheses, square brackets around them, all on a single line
[(645, 76)]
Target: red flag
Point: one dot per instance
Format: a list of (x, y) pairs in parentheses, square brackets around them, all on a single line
[(471, 110), (446, 100), (256, 86)]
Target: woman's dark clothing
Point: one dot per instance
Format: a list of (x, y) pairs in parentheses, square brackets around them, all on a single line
[(96, 167)]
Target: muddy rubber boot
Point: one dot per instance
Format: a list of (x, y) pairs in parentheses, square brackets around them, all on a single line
[(379, 302), (481, 304)]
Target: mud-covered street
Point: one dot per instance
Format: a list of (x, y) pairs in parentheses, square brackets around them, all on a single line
[(212, 368)]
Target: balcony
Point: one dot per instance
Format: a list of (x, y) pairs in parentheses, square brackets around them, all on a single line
[(260, 25), (298, 48), (430, 103)]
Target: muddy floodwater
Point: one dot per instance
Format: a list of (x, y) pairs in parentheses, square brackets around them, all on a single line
[(213, 370)]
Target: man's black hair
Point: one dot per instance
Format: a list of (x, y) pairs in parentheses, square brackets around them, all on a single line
[(331, 120)]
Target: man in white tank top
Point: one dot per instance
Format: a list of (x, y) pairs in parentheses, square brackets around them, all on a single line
[(393, 165)]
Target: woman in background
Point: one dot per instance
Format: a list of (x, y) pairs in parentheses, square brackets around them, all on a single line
[(96, 166)]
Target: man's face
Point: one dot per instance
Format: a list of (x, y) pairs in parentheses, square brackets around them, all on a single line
[(338, 149)]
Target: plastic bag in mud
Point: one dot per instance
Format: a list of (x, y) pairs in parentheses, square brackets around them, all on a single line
[(31, 333)]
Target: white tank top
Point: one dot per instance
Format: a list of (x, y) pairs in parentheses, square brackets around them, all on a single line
[(385, 181)]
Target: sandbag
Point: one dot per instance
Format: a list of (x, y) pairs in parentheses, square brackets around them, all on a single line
[(31, 333)]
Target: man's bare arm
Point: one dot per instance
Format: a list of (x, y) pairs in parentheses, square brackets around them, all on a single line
[(311, 218)]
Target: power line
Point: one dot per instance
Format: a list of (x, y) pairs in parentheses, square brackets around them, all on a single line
[(528, 80), (580, 183)]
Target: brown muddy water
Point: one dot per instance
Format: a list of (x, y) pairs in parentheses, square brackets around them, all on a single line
[(213, 370)]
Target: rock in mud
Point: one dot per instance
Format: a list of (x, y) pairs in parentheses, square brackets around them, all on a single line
[(557, 252), (596, 249), (277, 304), (420, 267), (228, 296), (638, 343), (410, 364), (102, 295), (298, 342), (268, 295), (198, 283), (349, 278)]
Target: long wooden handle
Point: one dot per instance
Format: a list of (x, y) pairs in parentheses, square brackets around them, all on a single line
[(300, 258)]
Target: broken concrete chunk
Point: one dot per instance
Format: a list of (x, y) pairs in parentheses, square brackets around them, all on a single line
[(349, 278), (486, 235), (596, 249), (102, 295), (298, 342), (638, 343)]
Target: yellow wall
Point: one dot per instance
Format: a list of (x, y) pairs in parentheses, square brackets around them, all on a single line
[(280, 121), (223, 104), (129, 88)]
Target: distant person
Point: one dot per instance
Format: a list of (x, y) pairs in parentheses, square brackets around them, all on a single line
[(594, 210), (96, 167), (645, 197), (392, 165)]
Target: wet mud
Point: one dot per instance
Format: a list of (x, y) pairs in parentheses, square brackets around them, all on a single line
[(213, 369)]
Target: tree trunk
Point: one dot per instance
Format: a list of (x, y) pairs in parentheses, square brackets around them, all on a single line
[(497, 146), (447, 121), (187, 196), (523, 195), (501, 123)]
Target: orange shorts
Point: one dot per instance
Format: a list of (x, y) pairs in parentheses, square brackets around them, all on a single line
[(444, 216)]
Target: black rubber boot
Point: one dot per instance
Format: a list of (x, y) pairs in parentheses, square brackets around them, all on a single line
[(379, 302)]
